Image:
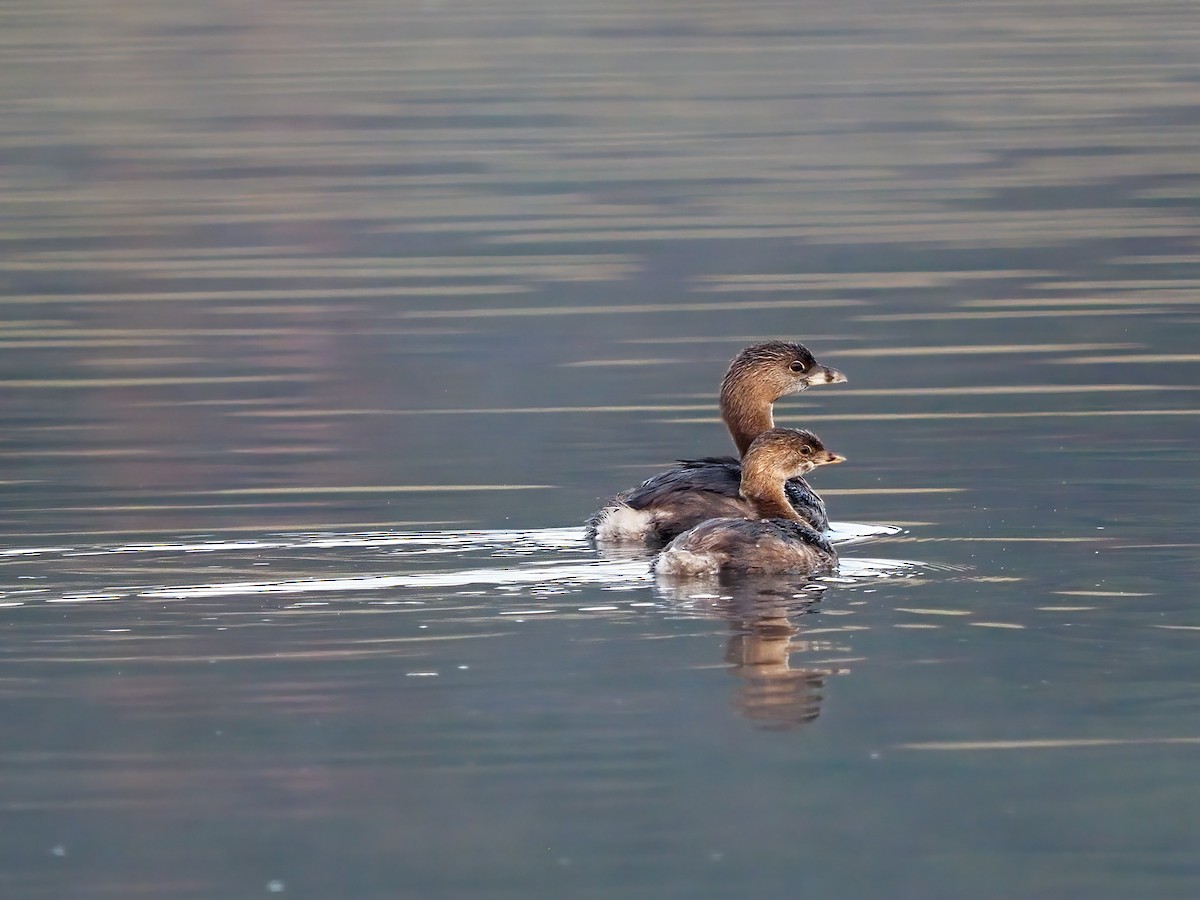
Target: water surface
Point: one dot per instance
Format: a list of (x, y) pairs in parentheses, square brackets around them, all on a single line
[(325, 327)]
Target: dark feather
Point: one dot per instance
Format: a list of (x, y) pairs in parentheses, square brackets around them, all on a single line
[(719, 477), (801, 532)]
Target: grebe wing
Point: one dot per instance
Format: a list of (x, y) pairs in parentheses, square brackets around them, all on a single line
[(800, 531), (715, 475), (807, 503)]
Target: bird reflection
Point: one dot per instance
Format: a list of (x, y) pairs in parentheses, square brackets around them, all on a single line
[(771, 694), (617, 552)]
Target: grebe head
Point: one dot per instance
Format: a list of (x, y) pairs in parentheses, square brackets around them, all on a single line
[(782, 453), (774, 369)]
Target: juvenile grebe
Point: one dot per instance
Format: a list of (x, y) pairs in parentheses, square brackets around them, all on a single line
[(697, 489), (776, 540)]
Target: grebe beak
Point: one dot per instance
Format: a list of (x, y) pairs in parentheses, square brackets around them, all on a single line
[(834, 458), (824, 375)]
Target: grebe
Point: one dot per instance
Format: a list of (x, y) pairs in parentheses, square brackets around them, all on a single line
[(776, 540), (698, 489)]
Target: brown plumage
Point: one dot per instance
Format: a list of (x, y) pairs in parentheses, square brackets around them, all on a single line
[(698, 489), (775, 540)]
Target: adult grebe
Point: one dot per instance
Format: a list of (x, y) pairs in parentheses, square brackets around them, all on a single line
[(698, 489), (776, 540)]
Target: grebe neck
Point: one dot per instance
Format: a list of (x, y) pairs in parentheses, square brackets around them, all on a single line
[(769, 502), (746, 413)]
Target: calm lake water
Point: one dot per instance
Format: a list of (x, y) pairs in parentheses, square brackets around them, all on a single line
[(326, 325)]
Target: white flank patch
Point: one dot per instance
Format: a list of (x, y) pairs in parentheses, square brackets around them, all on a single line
[(622, 524)]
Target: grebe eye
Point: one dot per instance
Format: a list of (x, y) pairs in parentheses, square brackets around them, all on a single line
[(806, 450), (797, 366)]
